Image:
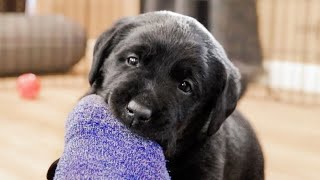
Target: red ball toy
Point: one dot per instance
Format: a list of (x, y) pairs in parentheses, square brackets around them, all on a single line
[(28, 86)]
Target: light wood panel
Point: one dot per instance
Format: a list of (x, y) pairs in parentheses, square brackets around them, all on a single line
[(289, 29), (289, 135)]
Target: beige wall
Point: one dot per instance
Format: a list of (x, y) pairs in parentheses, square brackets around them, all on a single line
[(95, 15)]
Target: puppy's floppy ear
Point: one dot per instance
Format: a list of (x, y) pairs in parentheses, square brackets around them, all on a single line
[(105, 44), (227, 99)]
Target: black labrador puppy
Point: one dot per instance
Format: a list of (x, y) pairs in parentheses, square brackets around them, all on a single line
[(167, 78)]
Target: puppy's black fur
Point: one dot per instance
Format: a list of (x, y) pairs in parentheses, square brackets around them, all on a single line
[(166, 78)]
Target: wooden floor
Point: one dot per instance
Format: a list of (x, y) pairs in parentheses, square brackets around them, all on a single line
[(31, 132)]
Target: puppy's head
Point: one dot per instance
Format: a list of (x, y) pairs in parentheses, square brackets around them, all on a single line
[(164, 76)]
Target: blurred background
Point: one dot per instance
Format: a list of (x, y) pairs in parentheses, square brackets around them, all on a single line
[(274, 43)]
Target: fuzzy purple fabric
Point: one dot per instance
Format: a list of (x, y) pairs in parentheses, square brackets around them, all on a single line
[(98, 146)]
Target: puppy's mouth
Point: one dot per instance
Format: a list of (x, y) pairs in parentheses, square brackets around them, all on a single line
[(156, 126)]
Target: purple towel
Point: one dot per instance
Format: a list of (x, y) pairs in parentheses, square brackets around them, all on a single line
[(97, 146)]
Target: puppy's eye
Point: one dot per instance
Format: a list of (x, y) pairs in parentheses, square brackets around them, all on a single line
[(185, 86), (133, 60)]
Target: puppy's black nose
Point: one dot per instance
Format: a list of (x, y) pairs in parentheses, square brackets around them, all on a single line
[(138, 111)]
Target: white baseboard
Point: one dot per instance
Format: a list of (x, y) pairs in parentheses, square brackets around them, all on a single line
[(295, 76)]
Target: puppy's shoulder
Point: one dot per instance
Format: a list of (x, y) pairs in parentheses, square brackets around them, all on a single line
[(241, 139)]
